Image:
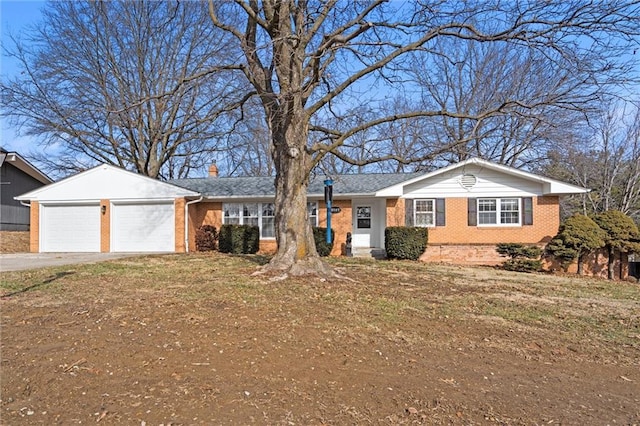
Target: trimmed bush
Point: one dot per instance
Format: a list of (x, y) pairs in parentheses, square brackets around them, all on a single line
[(239, 239), (522, 265), (514, 250), (402, 242), (522, 258), (320, 236), (206, 238)]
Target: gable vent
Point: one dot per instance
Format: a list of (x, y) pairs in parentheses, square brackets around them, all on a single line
[(468, 181)]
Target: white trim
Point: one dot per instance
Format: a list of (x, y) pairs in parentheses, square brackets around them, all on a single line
[(549, 186), (433, 212), (498, 210)]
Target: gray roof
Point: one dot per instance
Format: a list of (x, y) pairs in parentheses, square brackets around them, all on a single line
[(254, 187)]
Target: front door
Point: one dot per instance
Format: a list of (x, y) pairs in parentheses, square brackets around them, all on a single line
[(367, 216)]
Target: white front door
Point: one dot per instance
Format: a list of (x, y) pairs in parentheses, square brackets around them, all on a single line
[(368, 217)]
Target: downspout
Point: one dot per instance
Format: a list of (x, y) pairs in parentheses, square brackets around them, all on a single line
[(186, 222), (26, 205)]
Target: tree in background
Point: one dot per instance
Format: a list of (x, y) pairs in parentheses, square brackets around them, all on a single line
[(578, 237), (140, 85), (324, 73), (621, 236), (606, 159)]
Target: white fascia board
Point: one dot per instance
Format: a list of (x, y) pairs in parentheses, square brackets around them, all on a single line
[(549, 186), (106, 182), (20, 163)]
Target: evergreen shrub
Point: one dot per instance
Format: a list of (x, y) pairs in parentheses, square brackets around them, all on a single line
[(402, 242), (239, 239), (320, 236)]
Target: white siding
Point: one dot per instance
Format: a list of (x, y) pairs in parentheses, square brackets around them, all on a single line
[(137, 227), (107, 182), (70, 228), (490, 183)]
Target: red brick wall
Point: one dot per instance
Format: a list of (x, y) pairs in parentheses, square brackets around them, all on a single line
[(34, 229), (179, 224), (105, 226), (340, 222), (546, 220)]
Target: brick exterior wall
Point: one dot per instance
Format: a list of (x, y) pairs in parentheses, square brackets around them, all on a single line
[(34, 229), (546, 220), (457, 242), (179, 225), (105, 226), (340, 222), (203, 213)]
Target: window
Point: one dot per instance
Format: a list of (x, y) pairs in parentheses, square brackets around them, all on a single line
[(261, 215), (231, 214), (250, 214), (499, 211), (363, 216), (268, 229), (424, 213), (312, 212)]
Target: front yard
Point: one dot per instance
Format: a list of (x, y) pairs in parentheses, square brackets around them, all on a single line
[(194, 339)]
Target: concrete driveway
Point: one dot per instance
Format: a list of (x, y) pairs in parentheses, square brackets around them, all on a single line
[(23, 261)]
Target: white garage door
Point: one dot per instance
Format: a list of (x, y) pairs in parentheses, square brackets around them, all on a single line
[(70, 228), (143, 227)]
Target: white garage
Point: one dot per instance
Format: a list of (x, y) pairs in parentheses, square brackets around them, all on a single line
[(70, 227), (143, 227), (108, 209)]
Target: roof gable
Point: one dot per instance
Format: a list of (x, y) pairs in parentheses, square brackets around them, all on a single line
[(106, 182), (23, 165), (502, 179)]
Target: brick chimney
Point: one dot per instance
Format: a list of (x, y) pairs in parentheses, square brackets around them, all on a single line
[(213, 170)]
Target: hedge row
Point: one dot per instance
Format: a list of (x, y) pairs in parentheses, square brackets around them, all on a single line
[(245, 239)]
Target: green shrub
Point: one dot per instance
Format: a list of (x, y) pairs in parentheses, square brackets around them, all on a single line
[(206, 238), (401, 242), (239, 239), (515, 251), (320, 236), (522, 265), (522, 258)]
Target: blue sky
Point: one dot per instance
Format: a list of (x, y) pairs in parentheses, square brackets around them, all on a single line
[(15, 17)]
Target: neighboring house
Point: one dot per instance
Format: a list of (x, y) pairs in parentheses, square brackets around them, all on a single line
[(17, 176), (469, 207)]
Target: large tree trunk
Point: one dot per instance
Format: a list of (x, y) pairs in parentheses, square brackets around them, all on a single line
[(296, 253)]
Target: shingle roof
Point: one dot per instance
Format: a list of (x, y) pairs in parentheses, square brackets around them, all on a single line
[(250, 187)]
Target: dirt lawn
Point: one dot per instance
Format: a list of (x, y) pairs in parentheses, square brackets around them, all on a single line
[(14, 241), (194, 339)]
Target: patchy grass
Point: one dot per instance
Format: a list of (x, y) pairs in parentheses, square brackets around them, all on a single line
[(396, 343)]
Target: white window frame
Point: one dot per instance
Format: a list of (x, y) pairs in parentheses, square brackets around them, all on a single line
[(499, 210), (312, 206), (427, 213), (241, 220)]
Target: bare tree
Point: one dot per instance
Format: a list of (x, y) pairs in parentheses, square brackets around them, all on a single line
[(310, 62), (131, 83), (607, 161)]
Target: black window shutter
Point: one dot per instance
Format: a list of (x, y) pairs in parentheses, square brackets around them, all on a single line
[(472, 210), (440, 216), (408, 212), (527, 211)]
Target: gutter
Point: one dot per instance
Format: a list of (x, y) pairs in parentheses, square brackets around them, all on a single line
[(186, 222)]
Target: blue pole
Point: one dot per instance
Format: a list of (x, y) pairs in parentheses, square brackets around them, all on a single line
[(328, 195)]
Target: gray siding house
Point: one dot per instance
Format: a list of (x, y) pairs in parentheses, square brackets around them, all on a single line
[(17, 176)]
